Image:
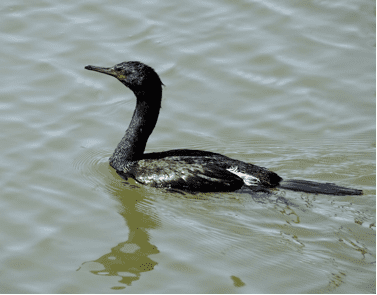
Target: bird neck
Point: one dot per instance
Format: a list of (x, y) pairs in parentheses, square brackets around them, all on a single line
[(132, 146)]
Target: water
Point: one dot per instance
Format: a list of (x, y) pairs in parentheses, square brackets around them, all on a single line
[(289, 86)]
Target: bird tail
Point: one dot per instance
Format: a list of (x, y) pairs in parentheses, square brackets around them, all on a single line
[(318, 188)]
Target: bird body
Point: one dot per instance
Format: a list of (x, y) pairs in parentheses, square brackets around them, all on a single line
[(190, 170), (195, 170)]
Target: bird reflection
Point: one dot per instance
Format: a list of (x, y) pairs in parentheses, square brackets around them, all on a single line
[(129, 259)]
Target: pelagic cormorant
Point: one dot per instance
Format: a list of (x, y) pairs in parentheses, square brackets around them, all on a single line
[(190, 170)]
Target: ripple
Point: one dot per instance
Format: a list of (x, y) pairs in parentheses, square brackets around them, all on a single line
[(93, 165), (262, 81)]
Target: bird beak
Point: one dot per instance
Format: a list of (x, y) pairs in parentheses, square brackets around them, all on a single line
[(108, 71)]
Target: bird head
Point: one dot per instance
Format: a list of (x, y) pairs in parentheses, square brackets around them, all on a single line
[(137, 76)]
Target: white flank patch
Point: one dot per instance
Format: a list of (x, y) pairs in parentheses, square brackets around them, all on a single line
[(247, 178)]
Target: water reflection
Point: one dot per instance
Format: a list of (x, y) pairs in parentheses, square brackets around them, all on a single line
[(131, 258), (237, 282)]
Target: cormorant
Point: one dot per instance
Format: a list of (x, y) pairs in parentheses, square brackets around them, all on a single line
[(184, 169)]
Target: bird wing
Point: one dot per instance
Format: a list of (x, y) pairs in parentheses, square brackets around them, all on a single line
[(189, 174)]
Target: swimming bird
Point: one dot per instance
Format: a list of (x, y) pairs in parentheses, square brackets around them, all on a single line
[(185, 169)]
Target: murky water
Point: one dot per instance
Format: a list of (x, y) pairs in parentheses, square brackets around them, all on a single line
[(285, 85)]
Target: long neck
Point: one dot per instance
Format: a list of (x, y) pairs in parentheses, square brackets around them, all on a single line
[(132, 146)]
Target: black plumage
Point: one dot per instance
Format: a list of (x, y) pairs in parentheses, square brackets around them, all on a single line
[(190, 170)]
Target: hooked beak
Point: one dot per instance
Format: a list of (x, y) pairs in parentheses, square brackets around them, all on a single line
[(108, 71)]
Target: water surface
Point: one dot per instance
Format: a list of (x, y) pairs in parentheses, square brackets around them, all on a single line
[(288, 86)]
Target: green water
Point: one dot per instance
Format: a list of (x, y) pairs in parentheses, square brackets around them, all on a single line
[(288, 85)]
